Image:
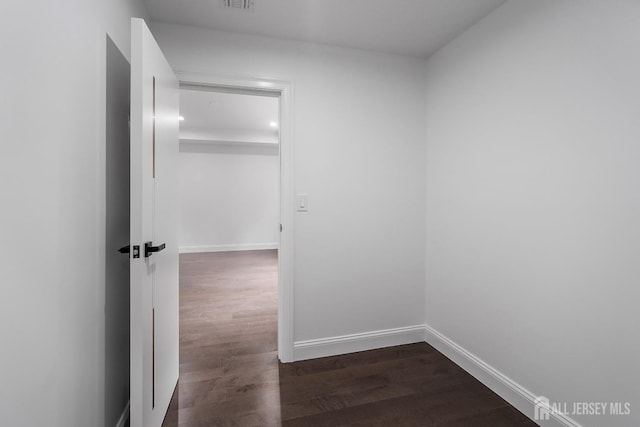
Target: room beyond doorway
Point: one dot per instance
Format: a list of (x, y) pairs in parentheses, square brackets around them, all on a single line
[(228, 171), (229, 174), (283, 91)]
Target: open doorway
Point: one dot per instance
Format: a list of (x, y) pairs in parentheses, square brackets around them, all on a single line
[(229, 232), (284, 91)]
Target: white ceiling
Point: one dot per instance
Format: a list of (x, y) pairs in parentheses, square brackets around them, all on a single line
[(406, 27), (227, 116)]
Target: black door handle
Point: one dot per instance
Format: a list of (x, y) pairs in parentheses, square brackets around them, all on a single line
[(149, 249), (124, 249)]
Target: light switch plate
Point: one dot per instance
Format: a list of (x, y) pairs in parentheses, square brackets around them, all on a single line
[(302, 202)]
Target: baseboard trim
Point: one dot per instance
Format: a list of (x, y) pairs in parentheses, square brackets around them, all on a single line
[(227, 248), (518, 396), (333, 346), (125, 415)]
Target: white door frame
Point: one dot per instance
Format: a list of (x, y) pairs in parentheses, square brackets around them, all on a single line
[(285, 253)]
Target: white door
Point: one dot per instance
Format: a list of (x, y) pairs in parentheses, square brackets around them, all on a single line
[(154, 275)]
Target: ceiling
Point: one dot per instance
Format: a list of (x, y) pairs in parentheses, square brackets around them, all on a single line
[(406, 27), (218, 116)]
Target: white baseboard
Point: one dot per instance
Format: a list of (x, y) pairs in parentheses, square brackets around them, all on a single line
[(518, 396), (227, 248), (125, 416), (343, 344)]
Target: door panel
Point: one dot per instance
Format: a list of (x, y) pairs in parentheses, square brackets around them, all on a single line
[(154, 278)]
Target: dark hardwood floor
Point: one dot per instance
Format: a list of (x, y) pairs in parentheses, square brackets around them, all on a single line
[(230, 374)]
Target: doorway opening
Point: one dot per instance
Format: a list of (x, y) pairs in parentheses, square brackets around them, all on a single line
[(282, 92), (234, 187), (229, 228)]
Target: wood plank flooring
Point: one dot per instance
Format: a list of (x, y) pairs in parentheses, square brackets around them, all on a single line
[(230, 374)]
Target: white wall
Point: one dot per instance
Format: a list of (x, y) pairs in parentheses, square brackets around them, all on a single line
[(229, 197), (359, 154), (52, 221), (533, 201)]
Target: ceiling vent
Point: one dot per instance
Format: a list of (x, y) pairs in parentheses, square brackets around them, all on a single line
[(246, 5)]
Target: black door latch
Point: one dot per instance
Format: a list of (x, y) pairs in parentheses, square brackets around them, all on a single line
[(126, 249)]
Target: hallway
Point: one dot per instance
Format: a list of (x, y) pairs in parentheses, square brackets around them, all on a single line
[(230, 375)]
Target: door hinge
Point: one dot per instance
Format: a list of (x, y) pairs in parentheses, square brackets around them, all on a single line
[(281, 228)]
